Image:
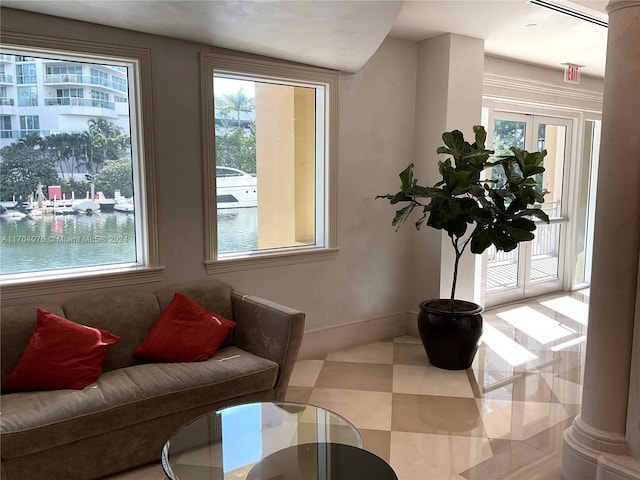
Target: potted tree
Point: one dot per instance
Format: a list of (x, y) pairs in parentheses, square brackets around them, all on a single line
[(482, 200)]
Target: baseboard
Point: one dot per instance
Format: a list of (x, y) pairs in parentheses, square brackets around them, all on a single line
[(412, 324), (580, 462), (317, 343)]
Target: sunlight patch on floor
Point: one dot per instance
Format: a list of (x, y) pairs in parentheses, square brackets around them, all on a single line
[(569, 307), (535, 324)]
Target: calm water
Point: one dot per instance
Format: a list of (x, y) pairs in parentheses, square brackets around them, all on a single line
[(237, 229), (58, 241)]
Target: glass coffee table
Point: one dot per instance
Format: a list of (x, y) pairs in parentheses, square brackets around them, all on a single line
[(254, 440)]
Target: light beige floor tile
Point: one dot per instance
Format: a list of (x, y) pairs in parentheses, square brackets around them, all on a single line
[(305, 373), (298, 394), (420, 456), (380, 352), (363, 409), (519, 420), (510, 459), (566, 391), (516, 385), (428, 380), (436, 414), (377, 441), (409, 354), (356, 376)]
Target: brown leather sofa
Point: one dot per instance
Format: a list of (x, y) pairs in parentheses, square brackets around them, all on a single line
[(124, 418)]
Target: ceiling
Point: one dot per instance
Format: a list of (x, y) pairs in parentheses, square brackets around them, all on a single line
[(344, 34)]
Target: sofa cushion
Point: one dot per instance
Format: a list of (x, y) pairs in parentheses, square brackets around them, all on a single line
[(60, 354), (185, 332), (37, 421)]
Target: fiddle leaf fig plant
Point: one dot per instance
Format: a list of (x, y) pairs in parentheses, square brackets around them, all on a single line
[(482, 199)]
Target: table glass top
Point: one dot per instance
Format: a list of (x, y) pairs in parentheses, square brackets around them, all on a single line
[(227, 443)]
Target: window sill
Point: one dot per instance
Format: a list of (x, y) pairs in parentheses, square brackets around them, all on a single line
[(262, 260), (77, 282)]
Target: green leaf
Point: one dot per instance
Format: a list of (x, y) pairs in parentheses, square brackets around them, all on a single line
[(480, 240), (481, 136), (523, 224), (534, 159), (480, 215), (457, 180), (535, 212), (406, 177), (421, 220), (399, 197), (456, 227), (402, 215), (476, 191), (518, 234), (530, 171), (455, 141), (435, 219)]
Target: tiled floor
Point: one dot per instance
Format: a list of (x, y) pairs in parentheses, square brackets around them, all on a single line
[(501, 419)]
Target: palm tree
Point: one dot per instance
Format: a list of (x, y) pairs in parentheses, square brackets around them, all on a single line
[(56, 148), (236, 102), (32, 141)]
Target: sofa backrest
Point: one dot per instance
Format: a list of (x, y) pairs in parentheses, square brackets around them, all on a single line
[(214, 296), (129, 315)]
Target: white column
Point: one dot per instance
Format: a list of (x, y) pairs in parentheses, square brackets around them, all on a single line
[(448, 97), (596, 446)]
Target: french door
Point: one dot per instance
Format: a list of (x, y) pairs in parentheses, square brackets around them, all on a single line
[(535, 267)]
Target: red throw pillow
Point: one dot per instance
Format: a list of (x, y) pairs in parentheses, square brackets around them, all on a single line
[(184, 332), (60, 354)]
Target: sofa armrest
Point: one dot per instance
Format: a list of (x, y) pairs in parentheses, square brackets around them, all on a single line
[(271, 331)]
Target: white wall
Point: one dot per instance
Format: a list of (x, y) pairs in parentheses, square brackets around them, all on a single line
[(376, 117)]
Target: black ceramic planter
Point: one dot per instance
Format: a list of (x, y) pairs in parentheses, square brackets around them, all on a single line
[(450, 339)]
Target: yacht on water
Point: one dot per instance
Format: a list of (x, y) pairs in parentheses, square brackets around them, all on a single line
[(235, 188)]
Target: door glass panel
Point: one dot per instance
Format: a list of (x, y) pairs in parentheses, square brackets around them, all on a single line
[(586, 201), (545, 245), (535, 267), (502, 267), (507, 133), (544, 254), (552, 138)]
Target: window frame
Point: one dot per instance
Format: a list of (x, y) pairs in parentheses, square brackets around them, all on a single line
[(270, 70), (148, 268)]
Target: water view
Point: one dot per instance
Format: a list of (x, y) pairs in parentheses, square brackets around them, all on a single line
[(52, 242), (237, 229)]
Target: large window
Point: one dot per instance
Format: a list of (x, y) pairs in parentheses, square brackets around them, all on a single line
[(26, 73), (72, 188), (29, 125), (28, 96), (271, 135), (5, 126)]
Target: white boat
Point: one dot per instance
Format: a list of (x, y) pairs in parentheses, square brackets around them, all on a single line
[(87, 206), (14, 214), (63, 210), (126, 207), (235, 188)]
